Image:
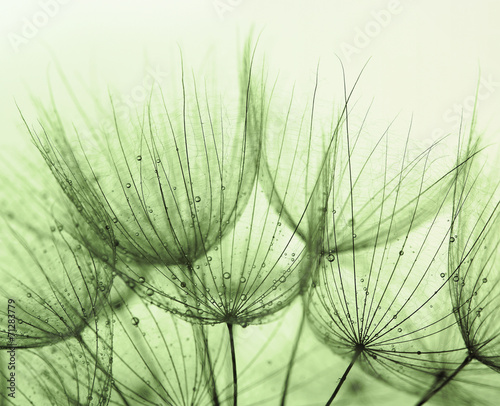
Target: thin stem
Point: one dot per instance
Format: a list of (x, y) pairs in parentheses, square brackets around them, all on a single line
[(211, 377), (233, 359), (292, 358), (440, 386), (115, 387), (122, 397), (359, 350)]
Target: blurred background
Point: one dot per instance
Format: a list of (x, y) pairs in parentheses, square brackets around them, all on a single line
[(424, 59)]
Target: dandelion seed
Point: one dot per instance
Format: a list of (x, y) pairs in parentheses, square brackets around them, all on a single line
[(60, 294), (402, 291), (469, 261), (240, 257)]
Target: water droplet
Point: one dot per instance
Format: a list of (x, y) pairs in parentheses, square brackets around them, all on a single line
[(150, 292), (455, 278), (158, 160), (442, 274), (283, 279), (115, 220), (28, 294), (452, 239), (401, 252), (243, 279), (243, 297), (354, 236), (330, 257), (223, 187), (128, 185), (400, 330), (209, 258), (197, 199), (142, 279), (139, 157), (135, 321), (226, 275), (183, 284), (485, 280)]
